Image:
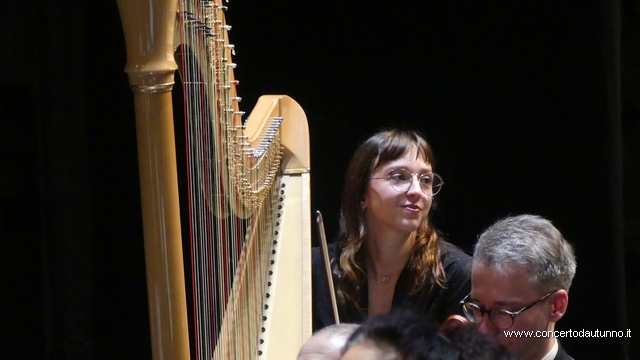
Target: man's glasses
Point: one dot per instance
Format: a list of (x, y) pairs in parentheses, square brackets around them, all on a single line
[(501, 318), (401, 180)]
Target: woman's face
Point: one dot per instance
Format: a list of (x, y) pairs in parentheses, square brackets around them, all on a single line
[(388, 210)]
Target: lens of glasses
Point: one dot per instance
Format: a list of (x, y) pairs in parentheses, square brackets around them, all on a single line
[(472, 313), (401, 180), (498, 317), (501, 319)]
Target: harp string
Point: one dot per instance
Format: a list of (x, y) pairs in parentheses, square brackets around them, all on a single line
[(232, 191)]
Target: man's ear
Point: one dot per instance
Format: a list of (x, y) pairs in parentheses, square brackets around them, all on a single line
[(559, 302)]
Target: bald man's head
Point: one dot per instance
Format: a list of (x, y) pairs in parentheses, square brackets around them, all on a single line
[(327, 343)]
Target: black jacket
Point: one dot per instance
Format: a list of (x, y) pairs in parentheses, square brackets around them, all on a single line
[(562, 355)]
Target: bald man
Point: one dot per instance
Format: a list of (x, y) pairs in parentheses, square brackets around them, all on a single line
[(327, 343)]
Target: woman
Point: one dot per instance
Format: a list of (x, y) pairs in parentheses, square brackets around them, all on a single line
[(387, 254)]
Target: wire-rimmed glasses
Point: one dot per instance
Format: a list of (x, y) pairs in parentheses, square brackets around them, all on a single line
[(503, 319), (401, 180)]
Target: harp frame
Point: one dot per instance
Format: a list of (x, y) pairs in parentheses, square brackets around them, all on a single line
[(149, 36)]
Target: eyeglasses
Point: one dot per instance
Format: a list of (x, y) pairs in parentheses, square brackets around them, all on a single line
[(401, 180), (501, 318)]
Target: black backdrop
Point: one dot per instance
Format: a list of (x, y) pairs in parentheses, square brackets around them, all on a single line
[(521, 103)]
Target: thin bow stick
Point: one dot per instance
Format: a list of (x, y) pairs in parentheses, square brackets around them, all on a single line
[(327, 265)]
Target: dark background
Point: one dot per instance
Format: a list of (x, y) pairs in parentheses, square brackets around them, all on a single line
[(530, 107)]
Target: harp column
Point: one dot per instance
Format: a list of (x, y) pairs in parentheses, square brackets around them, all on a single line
[(148, 28)]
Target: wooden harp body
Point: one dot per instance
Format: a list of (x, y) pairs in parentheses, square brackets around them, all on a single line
[(249, 193)]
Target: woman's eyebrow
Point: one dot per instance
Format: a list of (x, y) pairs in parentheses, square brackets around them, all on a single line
[(391, 167)]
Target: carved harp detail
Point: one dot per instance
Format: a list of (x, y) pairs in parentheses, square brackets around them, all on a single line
[(247, 293)]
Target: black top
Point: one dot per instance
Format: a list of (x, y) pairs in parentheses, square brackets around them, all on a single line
[(433, 301)]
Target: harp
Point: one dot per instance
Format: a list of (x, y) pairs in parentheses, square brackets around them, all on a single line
[(249, 194)]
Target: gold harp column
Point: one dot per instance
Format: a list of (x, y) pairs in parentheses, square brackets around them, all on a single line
[(148, 28)]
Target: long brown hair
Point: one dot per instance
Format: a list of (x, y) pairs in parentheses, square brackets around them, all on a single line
[(424, 265)]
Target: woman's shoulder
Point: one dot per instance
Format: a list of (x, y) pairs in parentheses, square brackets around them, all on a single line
[(457, 267), (332, 250), (449, 250), (317, 258), (454, 258)]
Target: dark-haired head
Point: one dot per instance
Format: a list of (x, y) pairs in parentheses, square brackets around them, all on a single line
[(398, 335), (375, 153), (409, 336)]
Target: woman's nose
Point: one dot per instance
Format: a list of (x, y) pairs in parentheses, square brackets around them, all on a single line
[(414, 187)]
